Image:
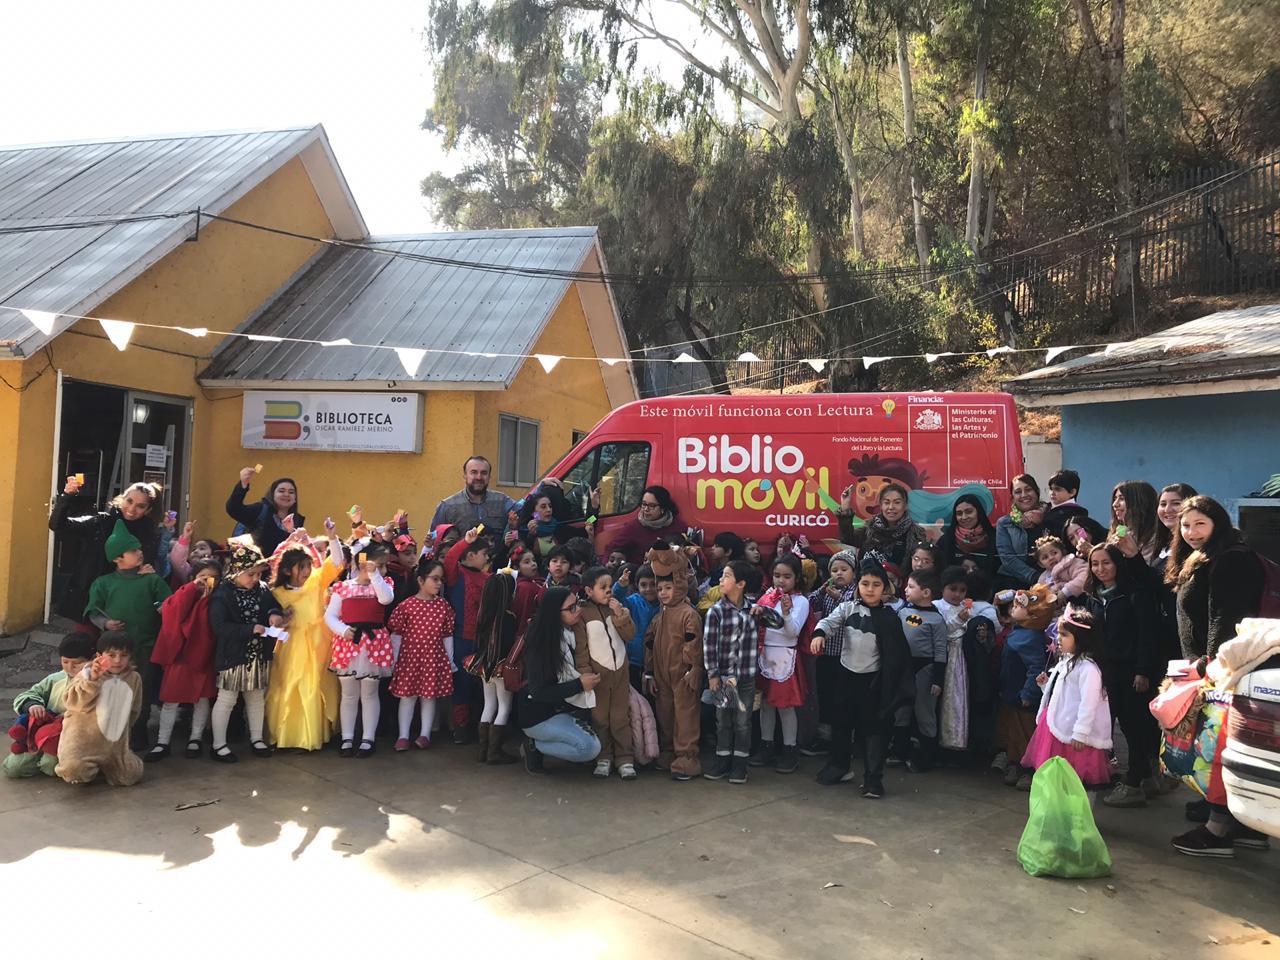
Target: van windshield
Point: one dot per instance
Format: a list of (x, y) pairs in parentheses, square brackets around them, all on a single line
[(620, 470)]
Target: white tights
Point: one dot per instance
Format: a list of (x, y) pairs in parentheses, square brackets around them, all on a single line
[(769, 715), (255, 709), (359, 696), (497, 702), (169, 716), (406, 715)]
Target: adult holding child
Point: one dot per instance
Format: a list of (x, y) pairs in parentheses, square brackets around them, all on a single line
[(1017, 533), (132, 507), (267, 521)]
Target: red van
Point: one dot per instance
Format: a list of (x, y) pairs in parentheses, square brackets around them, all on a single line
[(763, 465)]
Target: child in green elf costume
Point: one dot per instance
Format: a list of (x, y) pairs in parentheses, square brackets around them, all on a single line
[(129, 601)]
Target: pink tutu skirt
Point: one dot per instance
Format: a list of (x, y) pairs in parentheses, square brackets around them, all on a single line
[(1090, 764)]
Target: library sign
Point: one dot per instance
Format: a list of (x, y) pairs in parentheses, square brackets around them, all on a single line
[(298, 420)]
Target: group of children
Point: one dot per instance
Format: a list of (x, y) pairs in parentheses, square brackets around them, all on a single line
[(311, 637)]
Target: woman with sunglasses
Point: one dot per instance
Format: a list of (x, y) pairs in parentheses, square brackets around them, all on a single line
[(554, 707), (657, 518)]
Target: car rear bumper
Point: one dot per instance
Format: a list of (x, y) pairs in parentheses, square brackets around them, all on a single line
[(1252, 781)]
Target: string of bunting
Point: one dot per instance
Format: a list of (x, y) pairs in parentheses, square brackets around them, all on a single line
[(120, 333)]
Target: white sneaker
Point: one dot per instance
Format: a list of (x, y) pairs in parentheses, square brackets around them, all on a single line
[(602, 769), (1001, 762), (627, 771)]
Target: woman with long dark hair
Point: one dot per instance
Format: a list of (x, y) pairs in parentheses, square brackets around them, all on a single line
[(1127, 613), (1017, 533), (265, 520), (1167, 510), (555, 705), (970, 536), (1218, 581), (1133, 507)]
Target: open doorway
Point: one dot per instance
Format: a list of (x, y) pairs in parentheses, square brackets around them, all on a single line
[(116, 437)]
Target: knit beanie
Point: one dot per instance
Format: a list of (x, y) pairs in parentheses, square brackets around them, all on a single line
[(846, 556), (121, 542)]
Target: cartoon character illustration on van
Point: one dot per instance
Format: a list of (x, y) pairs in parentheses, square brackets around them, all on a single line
[(872, 473)]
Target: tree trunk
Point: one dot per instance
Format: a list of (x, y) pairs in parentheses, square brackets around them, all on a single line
[(1108, 63), (923, 244), (974, 212), (847, 141)]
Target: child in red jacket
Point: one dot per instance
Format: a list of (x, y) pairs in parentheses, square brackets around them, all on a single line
[(466, 568)]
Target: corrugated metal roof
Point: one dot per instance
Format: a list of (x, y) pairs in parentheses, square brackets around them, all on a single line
[(370, 298), (1227, 345), (72, 270)]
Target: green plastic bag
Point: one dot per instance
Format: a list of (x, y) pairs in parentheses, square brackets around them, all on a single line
[(1061, 839)]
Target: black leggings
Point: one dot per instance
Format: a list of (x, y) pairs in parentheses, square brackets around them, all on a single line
[(1141, 732), (857, 707)]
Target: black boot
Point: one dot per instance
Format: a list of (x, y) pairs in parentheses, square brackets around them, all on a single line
[(923, 758), (765, 754), (899, 747), (788, 760)]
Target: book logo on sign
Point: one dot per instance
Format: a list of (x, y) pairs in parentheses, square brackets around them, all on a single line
[(928, 420), (284, 420)]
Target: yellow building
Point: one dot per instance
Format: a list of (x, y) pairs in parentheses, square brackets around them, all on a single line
[(111, 230)]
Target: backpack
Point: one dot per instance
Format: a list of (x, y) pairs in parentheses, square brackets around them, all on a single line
[(240, 529), (1269, 604)]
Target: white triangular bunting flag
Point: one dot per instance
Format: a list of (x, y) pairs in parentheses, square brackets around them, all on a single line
[(340, 342), (41, 320), (410, 359), (263, 338), (611, 361), (869, 362), (994, 351), (548, 361), (118, 332), (930, 357), (748, 357), (195, 331), (685, 358), (818, 365), (1053, 352)]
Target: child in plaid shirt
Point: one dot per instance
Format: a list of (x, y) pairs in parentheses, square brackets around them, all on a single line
[(729, 643)]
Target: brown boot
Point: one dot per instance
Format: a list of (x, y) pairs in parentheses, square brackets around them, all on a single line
[(484, 743), (496, 754)]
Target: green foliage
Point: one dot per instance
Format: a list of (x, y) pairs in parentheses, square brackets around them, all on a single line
[(561, 119)]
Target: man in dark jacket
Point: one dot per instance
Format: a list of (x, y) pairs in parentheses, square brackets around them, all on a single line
[(475, 503)]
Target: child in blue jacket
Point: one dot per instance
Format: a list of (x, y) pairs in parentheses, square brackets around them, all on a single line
[(1024, 658), (642, 601)]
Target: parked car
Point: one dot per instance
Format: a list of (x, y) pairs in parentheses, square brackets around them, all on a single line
[(1251, 758)]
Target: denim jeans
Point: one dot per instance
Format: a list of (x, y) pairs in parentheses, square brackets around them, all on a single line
[(565, 738), (733, 727)]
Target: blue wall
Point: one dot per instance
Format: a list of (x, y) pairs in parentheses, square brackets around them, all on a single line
[(1224, 446)]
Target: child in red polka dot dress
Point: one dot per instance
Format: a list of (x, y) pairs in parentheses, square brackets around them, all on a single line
[(424, 668), (362, 649)]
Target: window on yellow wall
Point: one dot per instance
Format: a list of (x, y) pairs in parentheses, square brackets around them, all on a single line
[(517, 451)]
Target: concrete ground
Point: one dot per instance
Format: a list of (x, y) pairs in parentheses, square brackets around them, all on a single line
[(430, 852)]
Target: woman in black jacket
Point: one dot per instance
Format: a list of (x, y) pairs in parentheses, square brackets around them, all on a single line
[(1128, 612), (264, 520), (133, 506), (555, 704), (1218, 581), (970, 536)]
